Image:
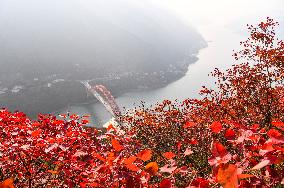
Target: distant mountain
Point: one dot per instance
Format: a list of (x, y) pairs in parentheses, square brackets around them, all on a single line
[(44, 44)]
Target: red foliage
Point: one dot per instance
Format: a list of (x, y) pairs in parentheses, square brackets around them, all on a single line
[(233, 136), (145, 155), (216, 127), (8, 183)]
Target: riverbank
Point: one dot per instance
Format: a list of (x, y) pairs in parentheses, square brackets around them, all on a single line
[(125, 83), (53, 95)]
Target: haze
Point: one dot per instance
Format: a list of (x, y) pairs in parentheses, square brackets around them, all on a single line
[(139, 49), (48, 47)]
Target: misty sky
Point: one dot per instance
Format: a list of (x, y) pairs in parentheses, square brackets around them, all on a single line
[(44, 36), (223, 11)]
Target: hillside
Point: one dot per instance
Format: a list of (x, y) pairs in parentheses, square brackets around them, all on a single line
[(46, 49), (231, 137)]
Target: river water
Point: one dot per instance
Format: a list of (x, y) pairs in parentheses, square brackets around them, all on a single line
[(223, 30), (221, 42)]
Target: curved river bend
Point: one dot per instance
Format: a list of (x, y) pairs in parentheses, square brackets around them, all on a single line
[(221, 42)]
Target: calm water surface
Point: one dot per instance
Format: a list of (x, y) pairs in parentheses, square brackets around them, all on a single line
[(221, 42)]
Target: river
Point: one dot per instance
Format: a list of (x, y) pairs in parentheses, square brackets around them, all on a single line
[(223, 30), (221, 42)]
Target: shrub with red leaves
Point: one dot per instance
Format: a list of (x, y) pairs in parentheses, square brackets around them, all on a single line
[(232, 137)]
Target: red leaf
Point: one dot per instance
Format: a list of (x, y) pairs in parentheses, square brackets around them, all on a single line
[(129, 164), (116, 145), (227, 176), (94, 184), (272, 133), (188, 151), (255, 126), (243, 176), (193, 141), (168, 169), (85, 121), (98, 156), (152, 168), (189, 124), (83, 184), (74, 116), (267, 147), (200, 183), (110, 127), (276, 136), (262, 164), (8, 183), (165, 183), (36, 124), (178, 145), (219, 154), (145, 155), (52, 171), (229, 134), (218, 149), (63, 115), (277, 123), (216, 127), (130, 160), (36, 133), (279, 148), (169, 155)]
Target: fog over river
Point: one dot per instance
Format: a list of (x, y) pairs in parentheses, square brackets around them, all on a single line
[(222, 30)]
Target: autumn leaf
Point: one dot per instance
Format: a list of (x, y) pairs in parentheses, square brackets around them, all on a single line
[(36, 133), (74, 116), (165, 183), (116, 145), (199, 183), (266, 147), (193, 141), (188, 151), (244, 176), (110, 127), (277, 123), (36, 124), (94, 184), (229, 134), (152, 168), (169, 155), (130, 160), (145, 155), (178, 144), (85, 121), (8, 183), (93, 158), (218, 149), (83, 184), (189, 125), (279, 148), (219, 154), (272, 133), (53, 171), (276, 136), (227, 176), (129, 164), (63, 115), (168, 169), (216, 127), (262, 164), (98, 156)]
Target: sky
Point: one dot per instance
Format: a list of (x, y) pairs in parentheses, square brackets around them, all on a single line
[(198, 12)]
